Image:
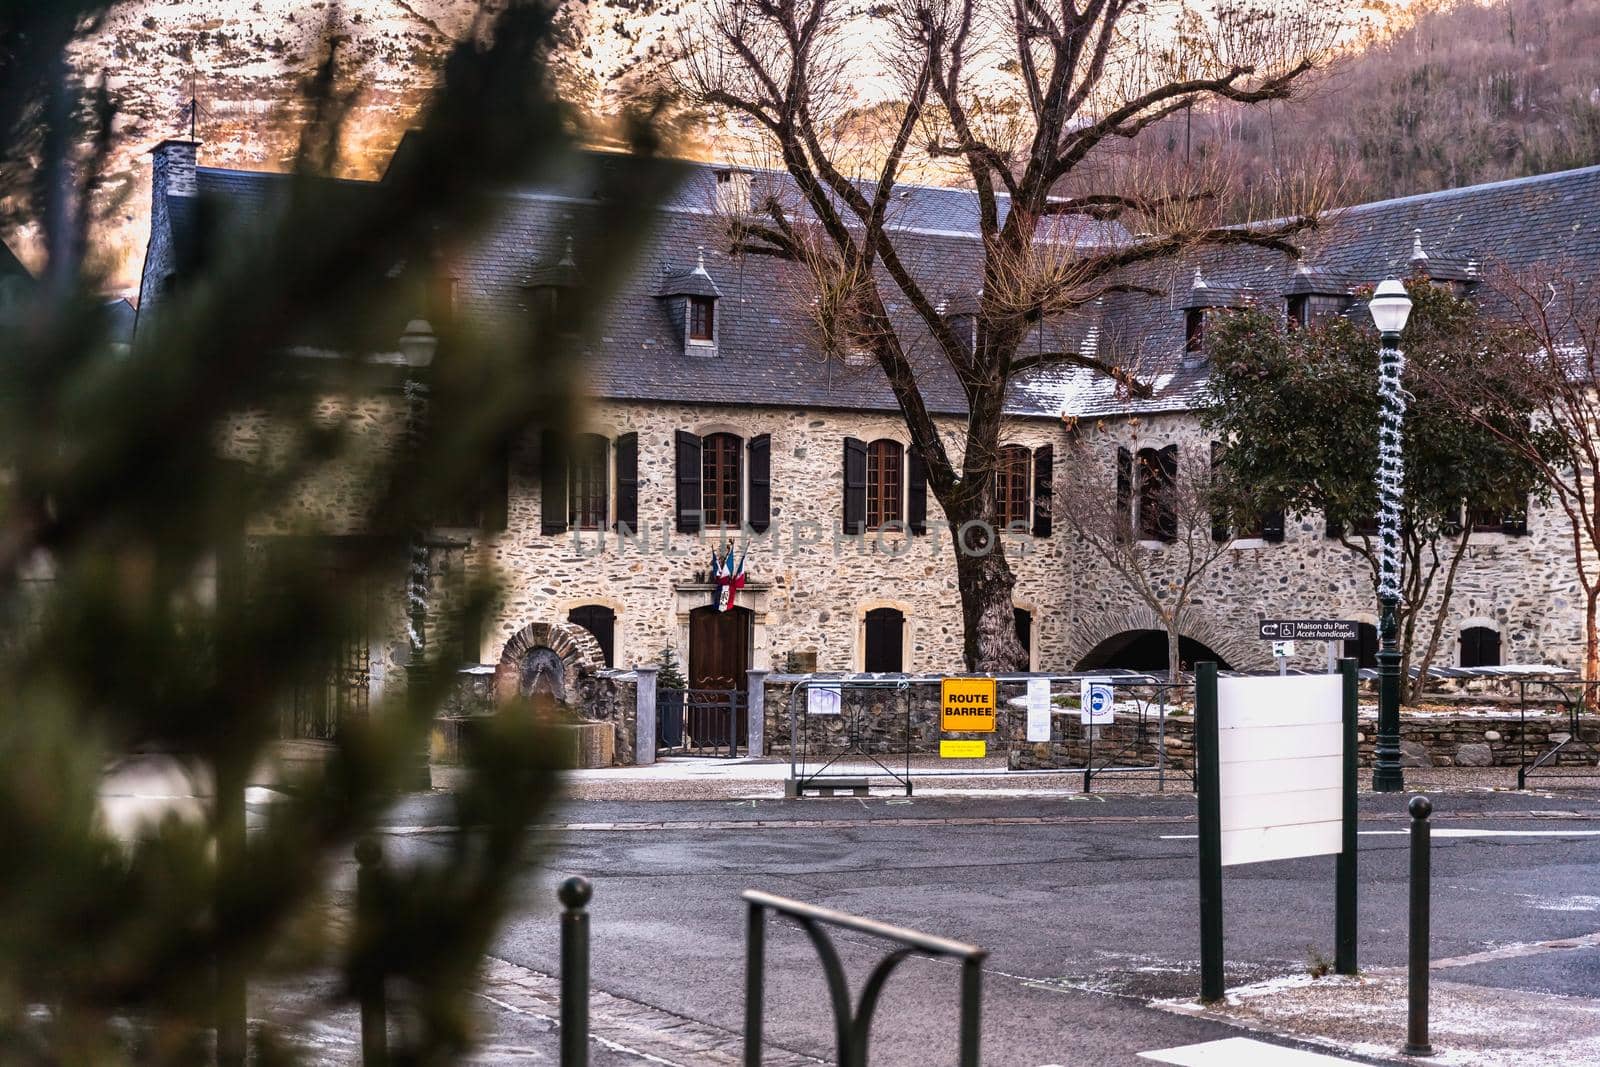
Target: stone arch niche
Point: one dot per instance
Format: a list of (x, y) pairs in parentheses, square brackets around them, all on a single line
[(1237, 651), (549, 659)]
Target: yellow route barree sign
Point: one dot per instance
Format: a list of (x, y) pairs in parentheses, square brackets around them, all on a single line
[(967, 705)]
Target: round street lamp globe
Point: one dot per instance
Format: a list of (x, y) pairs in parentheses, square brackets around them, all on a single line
[(1390, 306)]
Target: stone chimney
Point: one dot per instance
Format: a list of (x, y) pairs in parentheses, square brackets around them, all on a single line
[(173, 170)]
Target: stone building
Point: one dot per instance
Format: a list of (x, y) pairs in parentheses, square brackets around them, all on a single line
[(718, 414)]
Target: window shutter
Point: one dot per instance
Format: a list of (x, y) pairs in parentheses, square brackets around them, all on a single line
[(1166, 513), (1124, 494), (1272, 526), (855, 486), (553, 484), (1219, 515), (1333, 527), (497, 492), (916, 492), (690, 501), (1043, 488), (760, 509), (628, 482)]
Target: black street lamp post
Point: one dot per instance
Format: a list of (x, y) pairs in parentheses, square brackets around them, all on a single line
[(1390, 307)]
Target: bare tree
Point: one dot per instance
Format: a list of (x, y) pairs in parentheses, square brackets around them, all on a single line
[(1023, 101), (1159, 530), (1552, 367)]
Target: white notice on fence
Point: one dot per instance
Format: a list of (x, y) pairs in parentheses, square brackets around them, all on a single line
[(1280, 746), (822, 700), (1038, 709), (1095, 702)]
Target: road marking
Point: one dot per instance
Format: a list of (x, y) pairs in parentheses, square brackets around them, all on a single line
[(1240, 1052), (1451, 831)]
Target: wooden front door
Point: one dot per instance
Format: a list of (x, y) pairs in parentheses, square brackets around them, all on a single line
[(719, 656)]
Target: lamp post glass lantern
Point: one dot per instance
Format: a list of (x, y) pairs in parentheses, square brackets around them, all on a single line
[(1390, 307)]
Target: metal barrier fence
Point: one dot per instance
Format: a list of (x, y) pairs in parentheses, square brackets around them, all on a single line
[(818, 761), (865, 729), (1574, 695), (698, 722)]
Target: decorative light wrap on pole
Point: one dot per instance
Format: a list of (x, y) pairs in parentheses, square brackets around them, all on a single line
[(1390, 306), (1391, 468)]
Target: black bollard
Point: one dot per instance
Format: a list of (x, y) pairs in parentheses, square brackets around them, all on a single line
[(1417, 1043), (574, 895), (374, 1013)]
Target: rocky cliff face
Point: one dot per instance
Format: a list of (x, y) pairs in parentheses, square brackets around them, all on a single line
[(245, 61)]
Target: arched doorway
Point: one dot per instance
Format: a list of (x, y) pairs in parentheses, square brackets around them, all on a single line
[(719, 657), (600, 621), (1145, 650)]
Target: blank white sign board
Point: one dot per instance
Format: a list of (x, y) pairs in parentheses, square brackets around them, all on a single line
[(1280, 747)]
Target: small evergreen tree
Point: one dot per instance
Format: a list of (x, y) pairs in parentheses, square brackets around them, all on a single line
[(669, 674)]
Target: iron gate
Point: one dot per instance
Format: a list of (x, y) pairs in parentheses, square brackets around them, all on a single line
[(698, 722)]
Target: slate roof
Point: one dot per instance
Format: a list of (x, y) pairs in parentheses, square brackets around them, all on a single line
[(768, 351), (1552, 219)]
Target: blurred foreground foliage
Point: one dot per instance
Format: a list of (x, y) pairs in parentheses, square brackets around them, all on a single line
[(135, 616)]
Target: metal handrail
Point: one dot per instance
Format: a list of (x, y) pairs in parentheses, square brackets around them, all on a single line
[(939, 946), (851, 1027)]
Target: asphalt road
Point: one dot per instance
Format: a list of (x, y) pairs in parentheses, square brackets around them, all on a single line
[(1086, 905)]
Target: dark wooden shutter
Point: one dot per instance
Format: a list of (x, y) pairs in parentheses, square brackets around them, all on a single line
[(1333, 528), (885, 641), (553, 484), (1166, 510), (760, 509), (497, 492), (1043, 488), (855, 486), (1219, 515), (1272, 526), (628, 482), (1124, 494), (1480, 647), (690, 499), (916, 492), (600, 621)]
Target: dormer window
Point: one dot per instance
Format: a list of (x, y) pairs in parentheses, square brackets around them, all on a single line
[(1299, 311), (1194, 333), (691, 298), (553, 294), (702, 319)]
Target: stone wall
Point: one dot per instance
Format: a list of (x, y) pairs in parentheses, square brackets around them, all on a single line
[(878, 716), (807, 598), (1427, 740), (812, 599), (1524, 587), (604, 697)]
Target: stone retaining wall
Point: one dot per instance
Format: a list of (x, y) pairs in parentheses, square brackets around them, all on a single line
[(1429, 739)]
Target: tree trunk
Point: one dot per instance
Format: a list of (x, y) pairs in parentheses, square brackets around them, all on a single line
[(1413, 687), (1174, 665), (989, 628), (1591, 643)]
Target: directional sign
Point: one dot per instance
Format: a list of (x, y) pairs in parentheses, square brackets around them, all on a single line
[(1310, 630), (967, 705)]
